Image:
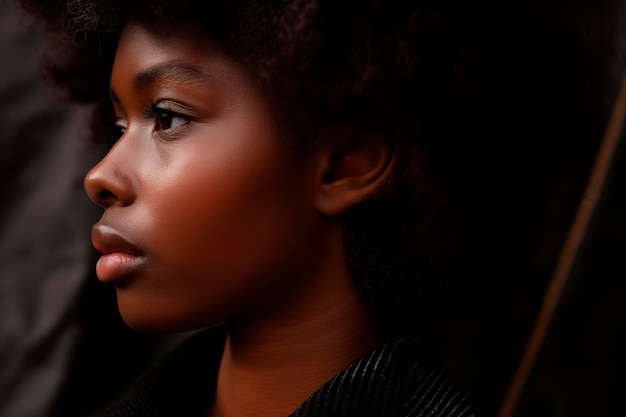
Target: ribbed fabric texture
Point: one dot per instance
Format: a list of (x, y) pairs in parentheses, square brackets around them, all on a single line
[(398, 379)]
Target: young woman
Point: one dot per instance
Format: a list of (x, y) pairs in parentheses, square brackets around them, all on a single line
[(296, 175)]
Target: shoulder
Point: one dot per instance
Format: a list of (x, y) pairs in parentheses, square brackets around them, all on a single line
[(400, 378), (429, 388)]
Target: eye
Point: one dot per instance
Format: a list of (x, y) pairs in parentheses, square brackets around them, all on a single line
[(119, 130), (165, 118), (116, 130)]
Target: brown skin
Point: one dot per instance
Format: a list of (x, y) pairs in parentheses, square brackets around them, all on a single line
[(210, 218)]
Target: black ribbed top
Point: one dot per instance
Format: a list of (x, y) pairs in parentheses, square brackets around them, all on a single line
[(397, 379)]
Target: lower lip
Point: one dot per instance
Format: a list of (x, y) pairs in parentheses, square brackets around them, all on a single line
[(117, 265)]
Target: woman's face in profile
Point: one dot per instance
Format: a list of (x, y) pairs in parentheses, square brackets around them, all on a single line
[(207, 214)]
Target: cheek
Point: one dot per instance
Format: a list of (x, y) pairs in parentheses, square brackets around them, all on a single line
[(224, 232), (228, 202)]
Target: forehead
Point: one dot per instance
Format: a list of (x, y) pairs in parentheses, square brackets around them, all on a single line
[(185, 56), (150, 43)]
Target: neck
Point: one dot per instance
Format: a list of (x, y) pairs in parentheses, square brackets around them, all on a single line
[(271, 366)]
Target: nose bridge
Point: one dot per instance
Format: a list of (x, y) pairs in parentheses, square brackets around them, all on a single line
[(110, 182)]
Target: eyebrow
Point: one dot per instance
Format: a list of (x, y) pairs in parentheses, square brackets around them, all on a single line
[(175, 72)]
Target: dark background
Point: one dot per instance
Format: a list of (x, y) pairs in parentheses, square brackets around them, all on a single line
[(580, 369), (581, 365)]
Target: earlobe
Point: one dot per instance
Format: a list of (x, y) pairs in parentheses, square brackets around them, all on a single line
[(353, 171)]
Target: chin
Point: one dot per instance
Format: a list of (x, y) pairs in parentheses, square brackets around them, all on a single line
[(152, 321)]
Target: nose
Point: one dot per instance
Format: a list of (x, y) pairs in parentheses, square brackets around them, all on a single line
[(109, 182)]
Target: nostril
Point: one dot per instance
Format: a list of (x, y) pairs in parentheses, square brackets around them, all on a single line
[(106, 197)]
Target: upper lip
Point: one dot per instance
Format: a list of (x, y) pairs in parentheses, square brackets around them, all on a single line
[(108, 240)]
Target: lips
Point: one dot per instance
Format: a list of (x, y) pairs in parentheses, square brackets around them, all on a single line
[(120, 258)]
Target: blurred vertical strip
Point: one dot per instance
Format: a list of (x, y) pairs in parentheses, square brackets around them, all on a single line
[(64, 350), (44, 227)]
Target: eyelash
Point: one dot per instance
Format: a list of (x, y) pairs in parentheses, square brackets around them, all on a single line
[(160, 116)]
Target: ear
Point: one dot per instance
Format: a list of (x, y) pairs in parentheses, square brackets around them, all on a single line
[(354, 166)]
